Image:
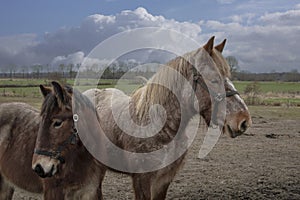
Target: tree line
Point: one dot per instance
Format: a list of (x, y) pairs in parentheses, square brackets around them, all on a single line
[(117, 69)]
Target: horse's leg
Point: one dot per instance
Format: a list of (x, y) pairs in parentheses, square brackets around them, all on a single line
[(141, 187), (162, 193), (6, 191), (99, 189), (162, 179)]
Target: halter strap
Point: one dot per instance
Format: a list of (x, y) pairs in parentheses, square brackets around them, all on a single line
[(217, 97)]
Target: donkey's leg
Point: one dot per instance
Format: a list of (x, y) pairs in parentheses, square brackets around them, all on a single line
[(53, 190), (6, 191), (142, 186), (56, 194), (94, 190)]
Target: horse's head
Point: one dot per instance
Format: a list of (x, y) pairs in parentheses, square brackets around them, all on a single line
[(238, 118), (209, 71), (57, 134)]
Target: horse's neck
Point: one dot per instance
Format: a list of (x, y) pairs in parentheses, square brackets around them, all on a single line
[(176, 110)]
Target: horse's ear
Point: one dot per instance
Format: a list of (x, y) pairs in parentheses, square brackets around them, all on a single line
[(221, 46), (59, 93), (45, 90), (209, 45)]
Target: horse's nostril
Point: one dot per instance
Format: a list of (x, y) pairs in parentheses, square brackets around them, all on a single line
[(244, 126), (39, 170)]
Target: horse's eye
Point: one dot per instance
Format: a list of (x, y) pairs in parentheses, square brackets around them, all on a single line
[(58, 124), (214, 81)]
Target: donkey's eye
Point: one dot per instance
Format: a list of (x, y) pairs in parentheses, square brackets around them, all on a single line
[(57, 124)]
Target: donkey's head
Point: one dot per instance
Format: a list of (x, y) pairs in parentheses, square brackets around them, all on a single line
[(57, 134)]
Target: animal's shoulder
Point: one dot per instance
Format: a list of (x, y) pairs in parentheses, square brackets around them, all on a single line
[(16, 106), (17, 111)]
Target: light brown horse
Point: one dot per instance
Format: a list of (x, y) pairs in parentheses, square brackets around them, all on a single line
[(176, 96)]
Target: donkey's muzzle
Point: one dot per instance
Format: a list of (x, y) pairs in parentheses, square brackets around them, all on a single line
[(41, 173)]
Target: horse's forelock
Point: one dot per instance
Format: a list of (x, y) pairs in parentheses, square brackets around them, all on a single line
[(51, 102)]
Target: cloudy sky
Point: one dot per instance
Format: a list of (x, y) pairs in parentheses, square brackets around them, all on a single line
[(263, 35)]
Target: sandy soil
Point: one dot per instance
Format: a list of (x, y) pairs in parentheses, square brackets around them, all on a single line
[(262, 164)]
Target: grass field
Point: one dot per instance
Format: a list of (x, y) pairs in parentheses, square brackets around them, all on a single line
[(274, 87), (271, 93), (275, 112)]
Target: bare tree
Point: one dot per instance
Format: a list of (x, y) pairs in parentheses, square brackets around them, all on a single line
[(62, 68), (233, 63), (37, 69)]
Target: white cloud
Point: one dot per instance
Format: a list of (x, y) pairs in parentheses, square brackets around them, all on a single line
[(16, 43), (267, 44), (92, 30), (247, 18), (225, 1), (14, 50), (260, 42), (288, 18), (75, 58)]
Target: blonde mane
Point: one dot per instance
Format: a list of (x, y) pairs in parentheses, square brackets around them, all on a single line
[(166, 83)]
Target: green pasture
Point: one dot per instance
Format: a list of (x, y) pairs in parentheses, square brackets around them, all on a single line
[(281, 101), (23, 81), (265, 87), (31, 95), (274, 87), (275, 112)]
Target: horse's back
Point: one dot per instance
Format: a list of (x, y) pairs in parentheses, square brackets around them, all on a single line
[(13, 111), (15, 118), (103, 97)]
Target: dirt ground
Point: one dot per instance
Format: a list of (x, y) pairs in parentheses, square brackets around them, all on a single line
[(264, 163)]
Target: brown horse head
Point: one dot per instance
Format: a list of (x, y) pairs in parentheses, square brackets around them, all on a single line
[(219, 103), (65, 112), (56, 130)]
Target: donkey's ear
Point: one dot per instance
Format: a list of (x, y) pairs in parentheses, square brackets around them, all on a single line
[(209, 45), (221, 46), (59, 93), (45, 90)]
